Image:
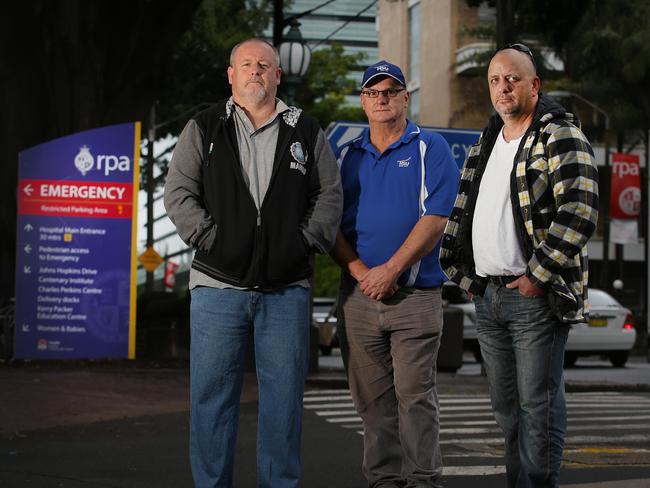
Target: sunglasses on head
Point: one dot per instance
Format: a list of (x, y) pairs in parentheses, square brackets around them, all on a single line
[(522, 48)]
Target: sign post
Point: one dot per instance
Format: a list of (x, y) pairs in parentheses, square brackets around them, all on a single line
[(76, 246)]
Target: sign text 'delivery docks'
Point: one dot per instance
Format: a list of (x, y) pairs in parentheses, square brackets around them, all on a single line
[(75, 273)]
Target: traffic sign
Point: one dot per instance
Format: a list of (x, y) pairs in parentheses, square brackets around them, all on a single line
[(459, 140), (150, 259)]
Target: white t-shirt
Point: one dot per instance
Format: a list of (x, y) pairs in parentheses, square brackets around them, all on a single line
[(494, 237)]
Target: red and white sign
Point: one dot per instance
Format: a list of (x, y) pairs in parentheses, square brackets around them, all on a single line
[(75, 198), (625, 202), (170, 274)]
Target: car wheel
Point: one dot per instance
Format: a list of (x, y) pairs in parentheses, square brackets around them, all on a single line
[(326, 350), (570, 359), (618, 358)]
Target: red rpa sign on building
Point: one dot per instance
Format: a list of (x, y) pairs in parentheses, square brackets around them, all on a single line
[(625, 201)]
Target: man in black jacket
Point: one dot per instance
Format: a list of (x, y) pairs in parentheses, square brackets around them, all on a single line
[(253, 186)]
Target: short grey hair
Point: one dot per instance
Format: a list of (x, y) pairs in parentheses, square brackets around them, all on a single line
[(254, 39)]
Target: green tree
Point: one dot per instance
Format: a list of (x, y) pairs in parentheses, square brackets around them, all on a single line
[(198, 64), (326, 84), (605, 48), (71, 65), (326, 276)]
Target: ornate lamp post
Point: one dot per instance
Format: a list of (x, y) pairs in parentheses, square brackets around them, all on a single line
[(295, 56)]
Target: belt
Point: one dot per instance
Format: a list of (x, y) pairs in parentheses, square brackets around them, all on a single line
[(502, 280)]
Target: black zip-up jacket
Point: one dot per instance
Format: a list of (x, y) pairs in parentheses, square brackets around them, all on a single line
[(267, 249)]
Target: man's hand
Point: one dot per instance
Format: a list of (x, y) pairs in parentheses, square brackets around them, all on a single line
[(526, 287), (379, 282)]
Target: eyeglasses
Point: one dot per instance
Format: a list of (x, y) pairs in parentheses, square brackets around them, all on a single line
[(388, 92), (522, 48)]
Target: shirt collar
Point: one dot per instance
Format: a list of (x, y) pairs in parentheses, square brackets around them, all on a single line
[(410, 132), (280, 107)]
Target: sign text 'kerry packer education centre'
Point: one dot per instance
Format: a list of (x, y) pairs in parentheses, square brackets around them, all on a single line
[(75, 255)]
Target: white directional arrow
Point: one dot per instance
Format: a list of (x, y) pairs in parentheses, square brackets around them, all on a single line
[(28, 227), (28, 190), (27, 269), (27, 248), (25, 327)]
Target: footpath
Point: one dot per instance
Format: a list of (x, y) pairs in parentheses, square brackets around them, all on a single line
[(133, 415)]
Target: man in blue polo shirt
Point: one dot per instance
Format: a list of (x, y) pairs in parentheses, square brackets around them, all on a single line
[(399, 186)]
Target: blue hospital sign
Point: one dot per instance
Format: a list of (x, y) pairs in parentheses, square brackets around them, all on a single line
[(75, 255), (459, 140)]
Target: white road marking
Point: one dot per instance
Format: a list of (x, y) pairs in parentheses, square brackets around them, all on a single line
[(467, 420), (328, 398), (570, 439), (341, 420), (329, 413), (328, 405), (472, 470)]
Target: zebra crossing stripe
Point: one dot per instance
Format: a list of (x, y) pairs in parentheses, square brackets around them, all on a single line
[(468, 421), (327, 398), (570, 439), (321, 406), (573, 420), (473, 416), (340, 420), (472, 470), (325, 392), (327, 413)]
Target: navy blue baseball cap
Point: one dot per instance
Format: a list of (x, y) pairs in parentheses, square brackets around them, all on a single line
[(380, 70)]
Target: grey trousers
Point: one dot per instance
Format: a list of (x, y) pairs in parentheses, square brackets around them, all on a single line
[(389, 350)]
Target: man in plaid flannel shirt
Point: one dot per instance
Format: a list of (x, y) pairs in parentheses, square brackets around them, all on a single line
[(516, 241)]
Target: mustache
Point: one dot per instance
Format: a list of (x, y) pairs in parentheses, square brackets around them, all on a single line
[(257, 79)]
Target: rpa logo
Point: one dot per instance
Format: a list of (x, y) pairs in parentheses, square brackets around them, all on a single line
[(84, 162)]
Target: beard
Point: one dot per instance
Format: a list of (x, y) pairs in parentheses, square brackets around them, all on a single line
[(513, 109), (256, 91)]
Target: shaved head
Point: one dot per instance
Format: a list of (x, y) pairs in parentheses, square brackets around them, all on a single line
[(514, 84), (523, 61)]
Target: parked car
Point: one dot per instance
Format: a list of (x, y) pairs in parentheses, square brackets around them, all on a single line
[(454, 296), (610, 331), (324, 317)]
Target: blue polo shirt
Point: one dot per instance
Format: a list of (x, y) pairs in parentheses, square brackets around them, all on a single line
[(386, 194)]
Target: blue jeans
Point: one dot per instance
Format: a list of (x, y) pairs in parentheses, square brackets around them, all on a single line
[(220, 324), (522, 344)]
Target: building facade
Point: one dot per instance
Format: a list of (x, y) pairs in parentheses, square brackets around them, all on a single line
[(432, 41), (435, 42)]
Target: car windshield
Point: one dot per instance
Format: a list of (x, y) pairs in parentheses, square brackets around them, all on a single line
[(599, 298)]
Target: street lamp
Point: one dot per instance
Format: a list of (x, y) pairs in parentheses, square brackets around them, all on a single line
[(295, 56)]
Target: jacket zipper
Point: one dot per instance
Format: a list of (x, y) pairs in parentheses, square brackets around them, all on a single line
[(257, 251)]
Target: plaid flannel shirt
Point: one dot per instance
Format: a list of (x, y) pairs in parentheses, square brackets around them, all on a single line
[(554, 193)]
